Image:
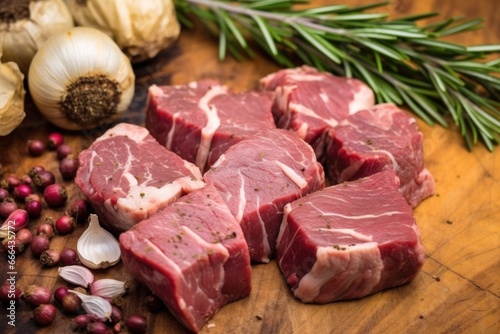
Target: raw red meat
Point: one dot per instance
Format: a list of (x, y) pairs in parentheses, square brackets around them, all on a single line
[(383, 137), (309, 102), (201, 120), (192, 255), (127, 176), (349, 241), (258, 176)]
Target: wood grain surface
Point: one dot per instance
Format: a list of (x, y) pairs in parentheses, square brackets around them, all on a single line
[(458, 289)]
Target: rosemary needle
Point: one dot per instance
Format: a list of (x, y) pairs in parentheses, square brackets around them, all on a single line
[(404, 63)]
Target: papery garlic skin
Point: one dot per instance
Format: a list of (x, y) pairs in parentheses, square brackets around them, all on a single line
[(77, 275), (95, 305), (11, 98), (96, 247), (141, 28), (108, 288), (80, 78), (21, 39)]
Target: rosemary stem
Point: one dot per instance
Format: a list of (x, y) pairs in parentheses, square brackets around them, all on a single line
[(268, 15)]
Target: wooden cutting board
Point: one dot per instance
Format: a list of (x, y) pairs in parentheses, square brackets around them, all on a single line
[(458, 289)]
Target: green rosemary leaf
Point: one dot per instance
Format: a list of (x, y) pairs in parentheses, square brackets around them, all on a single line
[(358, 17), (322, 45), (428, 107), (466, 135), (494, 63), (415, 107), (207, 16), (366, 75), (347, 69), (410, 81), (222, 45), (269, 4), (472, 113), (321, 10), (391, 92), (436, 79), (426, 92), (394, 32), (441, 45), (484, 48), (465, 26), (311, 55), (374, 35), (450, 77), (378, 62), (473, 130), (235, 52), (267, 35), (381, 48), (450, 105), (488, 142), (183, 20), (232, 27), (482, 76), (440, 25), (491, 106), (474, 66)]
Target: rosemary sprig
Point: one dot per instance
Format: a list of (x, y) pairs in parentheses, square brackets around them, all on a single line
[(404, 63)]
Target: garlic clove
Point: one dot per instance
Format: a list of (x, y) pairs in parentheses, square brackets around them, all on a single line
[(11, 97), (77, 275), (108, 288), (96, 247), (95, 305)]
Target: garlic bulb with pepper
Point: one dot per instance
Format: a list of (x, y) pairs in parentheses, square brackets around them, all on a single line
[(11, 98), (141, 28), (80, 78), (26, 24)]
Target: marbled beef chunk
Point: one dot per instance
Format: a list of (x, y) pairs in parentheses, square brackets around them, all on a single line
[(309, 102), (201, 120), (127, 176), (258, 176), (349, 240), (192, 255), (383, 137)]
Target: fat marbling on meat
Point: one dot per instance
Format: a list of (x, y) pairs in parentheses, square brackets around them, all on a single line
[(127, 176), (379, 138), (258, 176), (308, 102), (349, 240), (199, 121), (192, 255)]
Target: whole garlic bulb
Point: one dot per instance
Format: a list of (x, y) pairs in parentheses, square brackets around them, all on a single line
[(140, 28), (26, 24), (80, 78), (11, 98)]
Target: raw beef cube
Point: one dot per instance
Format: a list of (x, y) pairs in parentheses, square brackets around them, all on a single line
[(258, 176), (201, 120), (309, 102), (192, 255), (349, 240), (127, 176), (383, 137)]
